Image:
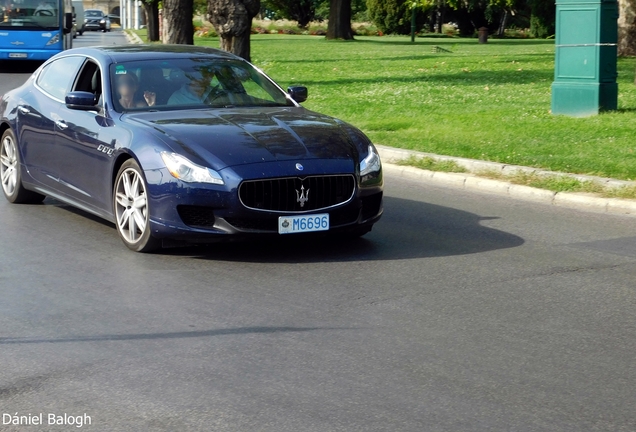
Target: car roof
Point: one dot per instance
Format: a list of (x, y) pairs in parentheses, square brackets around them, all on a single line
[(123, 53)]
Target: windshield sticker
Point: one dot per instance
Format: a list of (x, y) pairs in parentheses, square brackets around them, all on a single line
[(120, 70)]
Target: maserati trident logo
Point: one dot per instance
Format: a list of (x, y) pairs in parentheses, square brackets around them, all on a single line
[(17, 43), (302, 197)]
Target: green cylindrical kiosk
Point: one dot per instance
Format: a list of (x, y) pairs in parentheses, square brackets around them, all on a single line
[(585, 59)]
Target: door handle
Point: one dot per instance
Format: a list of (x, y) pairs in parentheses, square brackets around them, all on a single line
[(61, 124), (24, 110)]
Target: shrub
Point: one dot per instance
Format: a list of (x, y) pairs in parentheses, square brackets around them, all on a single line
[(392, 16)]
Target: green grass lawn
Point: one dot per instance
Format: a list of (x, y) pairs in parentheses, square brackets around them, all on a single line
[(487, 102)]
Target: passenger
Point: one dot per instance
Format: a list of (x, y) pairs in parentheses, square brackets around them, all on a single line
[(150, 97), (127, 86)]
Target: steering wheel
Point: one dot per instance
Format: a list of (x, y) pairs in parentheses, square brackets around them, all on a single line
[(43, 12), (215, 94)]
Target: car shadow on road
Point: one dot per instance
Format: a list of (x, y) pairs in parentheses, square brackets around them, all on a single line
[(408, 229)]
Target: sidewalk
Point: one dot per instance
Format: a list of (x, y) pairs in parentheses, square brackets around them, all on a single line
[(470, 181)]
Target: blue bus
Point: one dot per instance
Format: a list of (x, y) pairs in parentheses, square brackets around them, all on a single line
[(34, 29)]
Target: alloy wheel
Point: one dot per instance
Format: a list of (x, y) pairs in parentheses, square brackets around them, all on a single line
[(131, 206), (8, 165)]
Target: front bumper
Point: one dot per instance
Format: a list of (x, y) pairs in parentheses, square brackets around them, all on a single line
[(30, 54), (94, 26), (209, 213)]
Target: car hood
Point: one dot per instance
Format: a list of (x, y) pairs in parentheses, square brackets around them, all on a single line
[(245, 136)]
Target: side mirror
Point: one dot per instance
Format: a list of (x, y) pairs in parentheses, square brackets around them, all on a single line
[(298, 93), (68, 22), (80, 100)]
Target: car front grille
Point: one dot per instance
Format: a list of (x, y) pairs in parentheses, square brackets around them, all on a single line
[(295, 194)]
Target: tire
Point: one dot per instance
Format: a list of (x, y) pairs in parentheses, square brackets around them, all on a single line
[(130, 207), (11, 174)]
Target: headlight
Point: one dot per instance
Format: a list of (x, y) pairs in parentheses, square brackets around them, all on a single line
[(371, 163), (189, 172), (55, 39), (102, 22)]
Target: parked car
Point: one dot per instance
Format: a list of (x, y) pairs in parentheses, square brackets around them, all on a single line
[(184, 144), (95, 19)]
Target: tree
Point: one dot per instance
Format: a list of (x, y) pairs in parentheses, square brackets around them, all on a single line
[(394, 16), (505, 9), (178, 22), (339, 26), (302, 11), (470, 15), (627, 28), (391, 16), (151, 8), (542, 20), (232, 20)]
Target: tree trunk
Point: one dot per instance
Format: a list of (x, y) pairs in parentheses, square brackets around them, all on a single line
[(232, 20), (339, 26), (440, 19), (152, 18), (178, 22), (627, 28), (432, 20), (441, 9), (501, 31)]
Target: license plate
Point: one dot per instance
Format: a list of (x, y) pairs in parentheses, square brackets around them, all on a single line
[(17, 55), (302, 224)]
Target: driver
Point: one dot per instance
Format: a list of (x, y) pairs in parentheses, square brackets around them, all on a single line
[(44, 8), (196, 91), (193, 92)]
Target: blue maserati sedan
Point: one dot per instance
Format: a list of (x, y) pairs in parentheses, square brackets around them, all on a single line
[(183, 144)]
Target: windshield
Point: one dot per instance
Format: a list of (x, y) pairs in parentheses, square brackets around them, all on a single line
[(25, 14), (94, 13), (191, 83)]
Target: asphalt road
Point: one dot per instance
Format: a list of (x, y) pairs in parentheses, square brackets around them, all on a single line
[(459, 312)]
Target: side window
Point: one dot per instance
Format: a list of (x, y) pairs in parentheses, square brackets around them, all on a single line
[(89, 79), (57, 77)]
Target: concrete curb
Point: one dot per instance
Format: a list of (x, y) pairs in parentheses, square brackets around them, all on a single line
[(394, 155), (133, 37), (472, 182)]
